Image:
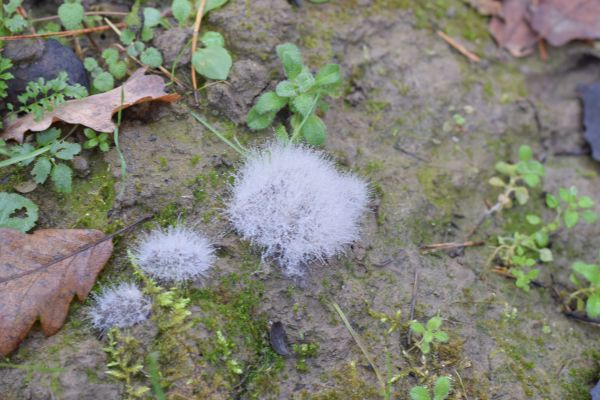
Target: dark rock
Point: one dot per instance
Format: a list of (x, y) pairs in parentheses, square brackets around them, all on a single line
[(170, 43), (233, 99), (31, 62), (81, 166)]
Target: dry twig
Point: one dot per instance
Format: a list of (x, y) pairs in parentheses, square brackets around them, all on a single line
[(73, 32), (197, 24), (459, 47)]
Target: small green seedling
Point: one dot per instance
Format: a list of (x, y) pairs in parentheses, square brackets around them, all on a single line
[(136, 42), (525, 173), (212, 61), (521, 251), (43, 96), (224, 348), (71, 14), (304, 351), (303, 93), (105, 80), (184, 10), (441, 390), (101, 141), (11, 21), (429, 333), (394, 321), (587, 297)]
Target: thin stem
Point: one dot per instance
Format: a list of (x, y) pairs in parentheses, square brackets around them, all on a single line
[(62, 33), (296, 133), (24, 157), (197, 23), (237, 147)]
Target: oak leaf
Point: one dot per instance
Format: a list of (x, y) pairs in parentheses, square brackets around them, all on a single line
[(96, 111), (560, 21), (511, 29), (40, 273)]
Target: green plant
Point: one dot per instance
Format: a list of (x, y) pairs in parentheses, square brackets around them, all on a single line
[(429, 333), (43, 96), (71, 14), (304, 351), (527, 172), (441, 390), (48, 155), (303, 93), (520, 250), (124, 362), (11, 215), (145, 27), (587, 297), (10, 21), (212, 61), (183, 9), (101, 141), (225, 350), (5, 65)]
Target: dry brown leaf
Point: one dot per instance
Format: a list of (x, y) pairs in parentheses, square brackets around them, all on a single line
[(96, 111), (511, 29), (560, 21), (34, 285), (487, 7)]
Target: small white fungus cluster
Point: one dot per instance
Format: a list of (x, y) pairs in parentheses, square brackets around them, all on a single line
[(174, 254), (121, 306), (291, 200)]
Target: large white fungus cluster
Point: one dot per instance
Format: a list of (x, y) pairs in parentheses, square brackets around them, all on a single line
[(291, 201)]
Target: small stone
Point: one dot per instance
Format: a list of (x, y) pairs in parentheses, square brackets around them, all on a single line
[(171, 42), (81, 166), (25, 187)]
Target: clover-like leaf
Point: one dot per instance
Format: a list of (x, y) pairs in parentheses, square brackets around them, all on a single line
[(213, 39), (212, 62), (182, 9), (151, 57), (71, 15)]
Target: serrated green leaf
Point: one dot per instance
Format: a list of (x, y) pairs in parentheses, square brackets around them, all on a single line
[(419, 393), (305, 80), (286, 89), (212, 62), (211, 38), (589, 216), (71, 15), (103, 82), (65, 150), (441, 388), (546, 255), (269, 102), (16, 23), (110, 55), (571, 218), (118, 69), (434, 323), (10, 203), (592, 305), (291, 58), (90, 64), (147, 34), (585, 202), (127, 36), (257, 121), (314, 131), (329, 75), (303, 104), (440, 336), (182, 10), (48, 136), (417, 327), (151, 17), (41, 170), (62, 177), (541, 239), (151, 57), (12, 5)]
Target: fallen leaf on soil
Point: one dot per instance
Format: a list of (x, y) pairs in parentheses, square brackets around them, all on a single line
[(487, 7), (560, 21), (511, 29), (36, 283), (590, 95), (96, 111)]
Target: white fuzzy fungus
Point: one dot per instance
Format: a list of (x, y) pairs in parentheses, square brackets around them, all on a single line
[(291, 201), (120, 307), (174, 254)]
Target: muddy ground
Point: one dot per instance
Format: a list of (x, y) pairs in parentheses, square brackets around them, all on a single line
[(393, 125)]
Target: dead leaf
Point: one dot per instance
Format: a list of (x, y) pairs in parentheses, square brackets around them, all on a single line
[(36, 283), (487, 7), (560, 21), (511, 29), (96, 111)]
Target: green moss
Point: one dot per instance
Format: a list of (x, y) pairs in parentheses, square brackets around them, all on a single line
[(349, 386), (578, 382)]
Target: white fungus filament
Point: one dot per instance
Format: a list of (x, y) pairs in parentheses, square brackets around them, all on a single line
[(121, 306), (174, 254), (291, 201)]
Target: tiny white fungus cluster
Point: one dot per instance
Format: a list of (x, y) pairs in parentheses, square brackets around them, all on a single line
[(174, 254), (291, 201), (121, 306)]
